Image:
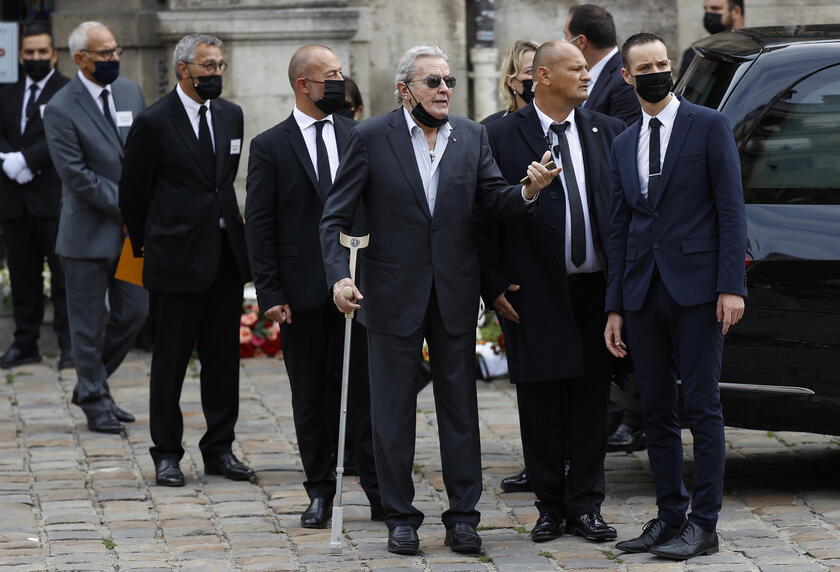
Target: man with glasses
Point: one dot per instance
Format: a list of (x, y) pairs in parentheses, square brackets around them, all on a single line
[(86, 124), (422, 175), (179, 204)]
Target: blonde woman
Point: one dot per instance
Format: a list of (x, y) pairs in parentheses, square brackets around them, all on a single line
[(515, 83)]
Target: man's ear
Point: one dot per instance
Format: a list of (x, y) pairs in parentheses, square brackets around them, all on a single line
[(626, 76)]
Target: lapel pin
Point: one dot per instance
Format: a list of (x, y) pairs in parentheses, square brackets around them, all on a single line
[(594, 130)]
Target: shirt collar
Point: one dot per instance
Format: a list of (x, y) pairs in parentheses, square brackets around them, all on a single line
[(191, 105), (596, 70), (444, 129), (94, 88), (304, 121), (40, 84), (668, 114), (546, 121)]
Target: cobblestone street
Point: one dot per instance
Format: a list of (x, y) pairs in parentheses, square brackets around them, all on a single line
[(71, 499)]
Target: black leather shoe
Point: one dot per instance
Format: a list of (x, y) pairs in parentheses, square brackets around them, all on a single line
[(122, 414), (15, 356), (103, 422), (548, 527), (692, 541), (402, 539), (317, 514), (66, 361), (590, 526), (377, 513), (516, 483), (229, 467), (168, 473), (654, 533), (626, 438), (461, 537)]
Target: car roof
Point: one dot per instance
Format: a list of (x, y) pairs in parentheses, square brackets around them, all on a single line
[(747, 43)]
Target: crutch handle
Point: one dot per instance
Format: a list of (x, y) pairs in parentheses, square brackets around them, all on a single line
[(347, 292)]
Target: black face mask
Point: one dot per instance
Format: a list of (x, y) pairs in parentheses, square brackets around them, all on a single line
[(106, 73), (333, 98), (527, 94), (424, 117), (37, 69), (207, 86), (654, 87), (346, 112), (714, 23)]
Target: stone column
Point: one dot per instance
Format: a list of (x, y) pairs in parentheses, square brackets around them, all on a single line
[(260, 37), (485, 76), (134, 24)]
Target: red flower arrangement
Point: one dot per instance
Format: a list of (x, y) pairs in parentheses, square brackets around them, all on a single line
[(258, 336)]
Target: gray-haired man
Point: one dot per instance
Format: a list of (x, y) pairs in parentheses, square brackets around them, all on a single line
[(179, 204), (86, 123), (422, 175)]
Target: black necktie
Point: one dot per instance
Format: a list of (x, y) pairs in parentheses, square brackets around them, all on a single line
[(324, 176), (30, 105), (106, 111), (575, 204), (205, 143), (653, 160)]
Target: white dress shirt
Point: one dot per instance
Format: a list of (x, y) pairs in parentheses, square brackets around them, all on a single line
[(192, 108), (310, 134), (27, 94), (591, 263), (667, 117), (595, 71), (96, 93), (428, 161)]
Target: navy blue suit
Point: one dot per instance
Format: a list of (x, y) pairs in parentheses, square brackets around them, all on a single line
[(613, 96), (668, 262)]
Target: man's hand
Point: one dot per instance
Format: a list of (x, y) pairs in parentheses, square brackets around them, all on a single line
[(503, 306), (730, 310), (539, 176), (612, 335), (280, 314), (13, 164), (345, 305), (24, 176)]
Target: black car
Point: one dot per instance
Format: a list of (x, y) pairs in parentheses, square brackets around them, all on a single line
[(780, 89)]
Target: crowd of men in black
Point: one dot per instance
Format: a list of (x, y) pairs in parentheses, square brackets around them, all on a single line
[(637, 233)]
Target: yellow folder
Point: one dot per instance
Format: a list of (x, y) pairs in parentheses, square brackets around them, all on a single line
[(129, 268)]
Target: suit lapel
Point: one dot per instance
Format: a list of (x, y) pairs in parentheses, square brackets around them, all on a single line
[(404, 152), (91, 108), (49, 89), (220, 139), (600, 88), (185, 131), (449, 167), (590, 139), (682, 122), (529, 125), (630, 164), (17, 111), (299, 147)]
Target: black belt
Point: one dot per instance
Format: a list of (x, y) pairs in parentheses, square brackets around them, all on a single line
[(583, 276)]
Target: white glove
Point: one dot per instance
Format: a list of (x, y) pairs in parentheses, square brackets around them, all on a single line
[(13, 164), (24, 176)]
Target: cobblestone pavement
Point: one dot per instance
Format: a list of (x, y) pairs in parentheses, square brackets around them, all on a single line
[(71, 499)]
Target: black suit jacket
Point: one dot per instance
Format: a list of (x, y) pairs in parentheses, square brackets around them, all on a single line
[(42, 195), (169, 201), (546, 344), (612, 96), (410, 249), (283, 211)]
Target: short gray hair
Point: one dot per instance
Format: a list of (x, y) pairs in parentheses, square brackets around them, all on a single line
[(78, 39), (407, 66), (185, 48)]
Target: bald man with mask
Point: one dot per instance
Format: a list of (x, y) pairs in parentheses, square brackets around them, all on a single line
[(546, 279)]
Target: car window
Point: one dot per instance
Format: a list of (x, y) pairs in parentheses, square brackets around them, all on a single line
[(793, 154), (705, 81)]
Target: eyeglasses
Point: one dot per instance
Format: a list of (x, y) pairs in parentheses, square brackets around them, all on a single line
[(212, 67), (433, 81), (106, 54)]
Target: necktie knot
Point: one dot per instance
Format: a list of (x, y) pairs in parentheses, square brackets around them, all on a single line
[(319, 125), (655, 123), (559, 128), (202, 110), (33, 89)]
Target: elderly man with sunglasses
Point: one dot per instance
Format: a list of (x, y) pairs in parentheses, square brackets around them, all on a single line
[(422, 175)]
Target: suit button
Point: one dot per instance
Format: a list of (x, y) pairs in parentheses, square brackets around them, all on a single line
[(656, 245), (553, 195), (655, 215), (556, 263)]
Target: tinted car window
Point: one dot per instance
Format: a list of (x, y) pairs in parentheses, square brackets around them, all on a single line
[(793, 154), (707, 81)]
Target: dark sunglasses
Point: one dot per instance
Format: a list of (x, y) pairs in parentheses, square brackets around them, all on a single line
[(433, 81)]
